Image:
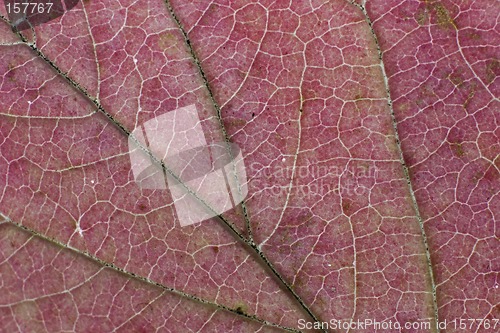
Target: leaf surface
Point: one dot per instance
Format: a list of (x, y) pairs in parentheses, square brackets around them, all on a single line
[(370, 138)]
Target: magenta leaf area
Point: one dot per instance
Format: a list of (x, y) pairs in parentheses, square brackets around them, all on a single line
[(370, 137)]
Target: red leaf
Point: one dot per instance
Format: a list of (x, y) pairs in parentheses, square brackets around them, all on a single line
[(369, 133)]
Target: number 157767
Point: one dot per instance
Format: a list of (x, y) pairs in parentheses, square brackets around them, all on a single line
[(29, 7)]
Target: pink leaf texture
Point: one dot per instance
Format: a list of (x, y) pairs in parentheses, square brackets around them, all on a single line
[(371, 139)]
